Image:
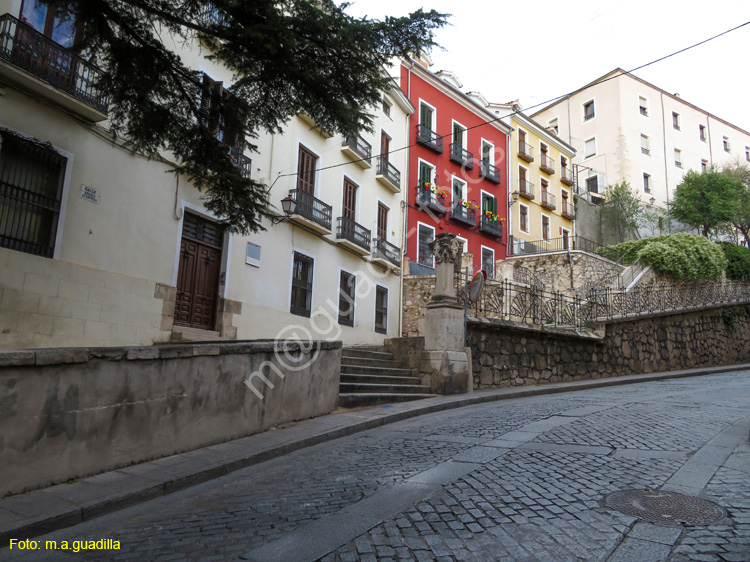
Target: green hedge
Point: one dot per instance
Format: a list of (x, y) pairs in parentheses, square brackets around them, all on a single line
[(738, 258), (682, 257)]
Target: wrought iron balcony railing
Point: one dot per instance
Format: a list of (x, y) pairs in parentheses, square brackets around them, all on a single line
[(464, 215), (526, 189), (312, 208), (240, 160), (567, 211), (354, 232), (489, 171), (564, 243), (381, 248), (389, 171), (548, 200), (461, 156), (547, 164), (525, 151), (23, 46), (430, 139), (491, 226), (359, 146), (433, 201), (566, 176)]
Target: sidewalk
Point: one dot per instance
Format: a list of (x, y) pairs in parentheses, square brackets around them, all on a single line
[(42, 511)]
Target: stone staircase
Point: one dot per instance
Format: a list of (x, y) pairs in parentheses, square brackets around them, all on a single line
[(370, 376)]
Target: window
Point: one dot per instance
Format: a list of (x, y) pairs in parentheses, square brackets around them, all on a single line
[(704, 165), (488, 152), (381, 310), (222, 124), (553, 126), (426, 235), (676, 120), (545, 186), (50, 20), (645, 145), (347, 286), (702, 132), (524, 220), (747, 153), (488, 261), (459, 135), (382, 225), (385, 145), (489, 204), (349, 205), (302, 279), (545, 227), (678, 157), (31, 189), (252, 254), (386, 107), (565, 234), (459, 190), (727, 148), (643, 105), (426, 116), (646, 182), (588, 110), (306, 164), (564, 209), (426, 173), (592, 184), (589, 148)]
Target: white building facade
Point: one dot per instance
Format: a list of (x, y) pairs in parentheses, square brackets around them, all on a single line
[(100, 246), (624, 128)]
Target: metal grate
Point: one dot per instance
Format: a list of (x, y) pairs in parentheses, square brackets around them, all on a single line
[(665, 507), (31, 184), (202, 230), (302, 277)]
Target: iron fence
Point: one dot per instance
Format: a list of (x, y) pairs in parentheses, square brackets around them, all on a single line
[(562, 244)]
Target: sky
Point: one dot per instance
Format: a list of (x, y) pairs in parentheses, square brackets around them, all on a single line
[(536, 51)]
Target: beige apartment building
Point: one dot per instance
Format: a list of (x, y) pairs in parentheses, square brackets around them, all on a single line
[(100, 246), (624, 128)]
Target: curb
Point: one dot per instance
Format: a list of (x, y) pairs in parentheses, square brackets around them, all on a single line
[(39, 512)]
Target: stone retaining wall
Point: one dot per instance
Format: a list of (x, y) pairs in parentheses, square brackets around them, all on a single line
[(507, 356), (69, 413)]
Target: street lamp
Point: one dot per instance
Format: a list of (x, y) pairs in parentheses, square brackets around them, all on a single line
[(289, 206)]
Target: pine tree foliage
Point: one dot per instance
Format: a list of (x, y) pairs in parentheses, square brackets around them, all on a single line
[(287, 56)]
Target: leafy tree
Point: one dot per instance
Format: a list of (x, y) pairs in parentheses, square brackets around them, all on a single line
[(738, 258), (622, 212), (287, 56), (705, 200), (741, 218)]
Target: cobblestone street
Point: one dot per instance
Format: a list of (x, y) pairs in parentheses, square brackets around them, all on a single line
[(514, 480)]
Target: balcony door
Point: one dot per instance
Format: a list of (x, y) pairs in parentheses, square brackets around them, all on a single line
[(350, 200), (382, 229), (306, 164), (49, 20)]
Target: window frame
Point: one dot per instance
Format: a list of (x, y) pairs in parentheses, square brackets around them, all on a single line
[(520, 221), (645, 144), (432, 257), (676, 124), (490, 274), (586, 156), (643, 107), (309, 298), (589, 103), (433, 117), (464, 134), (702, 132), (350, 297), (678, 157), (727, 145), (648, 186), (383, 328), (548, 222)]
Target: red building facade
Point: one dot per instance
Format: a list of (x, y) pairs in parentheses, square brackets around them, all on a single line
[(458, 171)]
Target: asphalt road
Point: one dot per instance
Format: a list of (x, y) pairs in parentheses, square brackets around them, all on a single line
[(516, 480)]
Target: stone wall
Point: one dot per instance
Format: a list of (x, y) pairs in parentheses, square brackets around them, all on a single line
[(69, 413), (418, 291), (555, 269), (506, 356), (52, 303)]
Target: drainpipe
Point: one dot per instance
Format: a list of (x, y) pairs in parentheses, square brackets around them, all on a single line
[(664, 141)]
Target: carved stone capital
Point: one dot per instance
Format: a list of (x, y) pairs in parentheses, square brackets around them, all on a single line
[(445, 248)]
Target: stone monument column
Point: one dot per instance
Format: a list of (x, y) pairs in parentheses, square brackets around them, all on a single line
[(444, 361)]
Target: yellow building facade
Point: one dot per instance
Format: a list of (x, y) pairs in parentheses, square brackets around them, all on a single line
[(542, 213)]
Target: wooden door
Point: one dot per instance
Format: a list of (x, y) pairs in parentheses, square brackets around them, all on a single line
[(350, 200), (382, 222), (198, 275), (385, 145), (306, 171)]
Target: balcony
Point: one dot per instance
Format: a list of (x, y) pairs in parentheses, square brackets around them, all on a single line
[(240, 160), (566, 176), (358, 150), (385, 253), (567, 211), (489, 172), (525, 151), (353, 236), (314, 125), (548, 200), (493, 227), (311, 212), (426, 199), (37, 64), (388, 175), (464, 215), (430, 139), (526, 189), (547, 164), (461, 156)]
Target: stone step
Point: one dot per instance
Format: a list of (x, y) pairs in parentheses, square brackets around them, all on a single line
[(185, 333), (362, 353), (347, 400), (369, 362), (387, 371), (361, 388), (379, 379)]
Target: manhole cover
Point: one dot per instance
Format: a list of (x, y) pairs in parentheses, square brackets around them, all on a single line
[(665, 507)]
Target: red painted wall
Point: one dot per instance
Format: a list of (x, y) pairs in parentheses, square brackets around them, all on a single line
[(449, 109)]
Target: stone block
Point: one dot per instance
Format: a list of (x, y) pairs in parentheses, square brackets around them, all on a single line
[(17, 358), (139, 353), (62, 356)]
